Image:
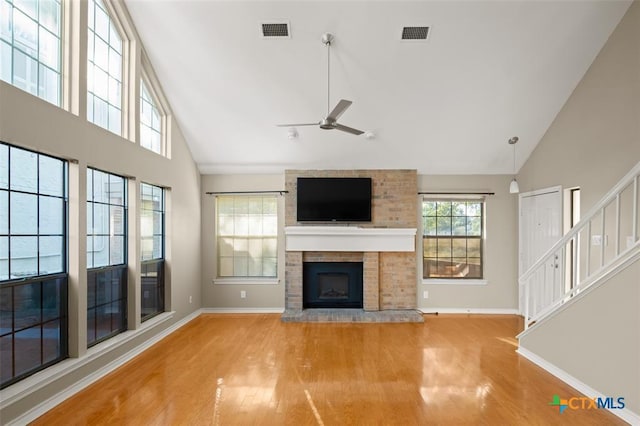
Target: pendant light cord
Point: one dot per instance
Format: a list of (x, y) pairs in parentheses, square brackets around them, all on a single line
[(328, 74)]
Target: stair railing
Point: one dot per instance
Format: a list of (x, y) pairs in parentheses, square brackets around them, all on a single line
[(585, 254)]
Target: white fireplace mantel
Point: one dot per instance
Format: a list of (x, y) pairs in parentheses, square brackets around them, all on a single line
[(349, 238)]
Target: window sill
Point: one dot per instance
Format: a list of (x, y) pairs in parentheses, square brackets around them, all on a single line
[(441, 281), (246, 281)]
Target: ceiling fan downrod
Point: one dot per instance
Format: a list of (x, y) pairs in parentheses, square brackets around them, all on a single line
[(327, 38), (330, 122)]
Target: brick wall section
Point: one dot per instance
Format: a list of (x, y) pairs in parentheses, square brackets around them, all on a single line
[(371, 295), (331, 256), (397, 281), (391, 283), (293, 280), (393, 192)]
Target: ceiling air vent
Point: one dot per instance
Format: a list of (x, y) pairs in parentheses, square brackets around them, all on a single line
[(415, 33), (275, 30)]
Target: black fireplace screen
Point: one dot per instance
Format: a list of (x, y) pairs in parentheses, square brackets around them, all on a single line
[(332, 284)]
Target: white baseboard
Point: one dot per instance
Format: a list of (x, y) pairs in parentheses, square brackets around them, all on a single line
[(242, 310), (485, 311), (58, 398), (625, 414)]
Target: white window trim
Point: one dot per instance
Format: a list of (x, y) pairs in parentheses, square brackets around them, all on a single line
[(63, 54), (121, 25), (157, 103), (124, 26), (155, 91), (246, 281), (457, 281)]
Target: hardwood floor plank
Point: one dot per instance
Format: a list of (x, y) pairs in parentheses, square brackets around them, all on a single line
[(257, 370)]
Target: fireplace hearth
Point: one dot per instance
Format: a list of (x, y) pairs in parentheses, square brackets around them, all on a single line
[(332, 284)]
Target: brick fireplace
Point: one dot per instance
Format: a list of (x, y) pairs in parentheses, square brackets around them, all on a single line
[(386, 246)]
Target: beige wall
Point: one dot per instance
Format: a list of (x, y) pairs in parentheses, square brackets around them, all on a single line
[(597, 339), (595, 139), (499, 294), (593, 142), (259, 296), (29, 122), (500, 249)]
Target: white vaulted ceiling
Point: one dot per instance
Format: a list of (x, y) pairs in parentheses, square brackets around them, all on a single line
[(490, 70)]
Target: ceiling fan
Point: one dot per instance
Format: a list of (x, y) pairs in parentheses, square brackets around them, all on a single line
[(330, 122)]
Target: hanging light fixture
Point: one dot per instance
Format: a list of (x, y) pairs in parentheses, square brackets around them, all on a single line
[(513, 187)]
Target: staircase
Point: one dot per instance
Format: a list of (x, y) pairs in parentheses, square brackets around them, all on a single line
[(602, 243)]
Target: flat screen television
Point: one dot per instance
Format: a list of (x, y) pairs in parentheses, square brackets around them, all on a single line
[(337, 199)]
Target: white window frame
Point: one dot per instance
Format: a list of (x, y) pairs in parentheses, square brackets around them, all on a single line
[(61, 52), (158, 105), (114, 13), (456, 281), (232, 280), (93, 208)]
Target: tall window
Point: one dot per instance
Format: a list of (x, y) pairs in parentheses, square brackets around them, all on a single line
[(30, 47), (452, 238), (33, 264), (150, 121), (247, 234), (104, 70), (152, 249), (106, 255)]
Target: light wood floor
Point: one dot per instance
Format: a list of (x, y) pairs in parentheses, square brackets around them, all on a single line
[(256, 370)]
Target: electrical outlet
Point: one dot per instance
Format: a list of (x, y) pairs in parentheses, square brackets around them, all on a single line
[(425, 294), (190, 299), (630, 241), (243, 294)]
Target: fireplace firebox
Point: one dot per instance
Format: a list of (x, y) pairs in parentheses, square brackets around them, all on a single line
[(332, 284)]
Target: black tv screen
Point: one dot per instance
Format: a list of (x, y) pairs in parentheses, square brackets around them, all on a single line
[(334, 199)]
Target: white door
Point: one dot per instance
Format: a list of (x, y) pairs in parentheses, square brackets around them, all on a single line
[(540, 228)]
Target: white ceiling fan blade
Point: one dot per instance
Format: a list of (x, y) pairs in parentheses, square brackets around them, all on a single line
[(298, 124), (348, 129), (339, 109)]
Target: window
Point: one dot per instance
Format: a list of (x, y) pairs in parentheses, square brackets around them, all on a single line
[(106, 219), (452, 238), (106, 255), (152, 222), (33, 264), (247, 235), (104, 70), (32, 226), (150, 121), (152, 249), (30, 47)]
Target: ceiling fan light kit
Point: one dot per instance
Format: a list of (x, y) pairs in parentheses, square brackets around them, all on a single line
[(330, 122), (292, 133)]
